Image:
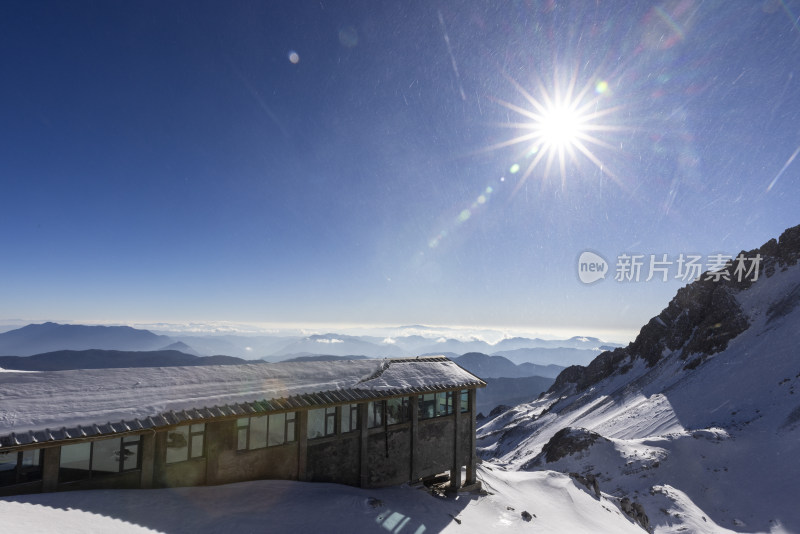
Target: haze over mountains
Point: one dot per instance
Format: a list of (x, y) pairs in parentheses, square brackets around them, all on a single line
[(49, 337)]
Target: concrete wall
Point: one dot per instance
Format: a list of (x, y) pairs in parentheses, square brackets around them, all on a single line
[(464, 432), (226, 464), (127, 480), (435, 451), (21, 489), (189, 473), (334, 459), (388, 466)]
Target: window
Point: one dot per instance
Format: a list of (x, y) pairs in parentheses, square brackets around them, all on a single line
[(436, 404), (265, 431), (349, 422), (464, 400), (398, 410), (375, 411), (444, 403), (426, 406), (97, 458), (321, 422), (186, 442), (19, 467)]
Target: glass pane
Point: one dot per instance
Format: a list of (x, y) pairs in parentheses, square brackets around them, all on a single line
[(105, 455), (290, 430), (316, 423), (464, 401), (426, 405), (396, 411), (277, 429), (330, 421), (8, 461), (75, 456), (258, 432), (8, 464), (241, 442), (375, 414), (197, 446), (130, 453), (74, 462), (31, 458), (346, 419), (178, 444), (198, 427), (441, 404)]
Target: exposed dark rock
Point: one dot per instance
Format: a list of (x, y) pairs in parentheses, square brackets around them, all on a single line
[(526, 516), (565, 442), (785, 305), (497, 410), (589, 480), (635, 511)]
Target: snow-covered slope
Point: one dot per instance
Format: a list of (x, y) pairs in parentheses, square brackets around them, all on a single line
[(698, 420), (555, 504)]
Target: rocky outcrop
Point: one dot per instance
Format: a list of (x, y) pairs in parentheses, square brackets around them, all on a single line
[(699, 321), (588, 480), (635, 511), (565, 442)]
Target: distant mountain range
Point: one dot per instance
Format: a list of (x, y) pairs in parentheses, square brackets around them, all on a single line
[(105, 359), (486, 366), (50, 337)]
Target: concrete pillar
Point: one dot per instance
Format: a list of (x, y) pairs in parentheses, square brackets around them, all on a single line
[(473, 428), (414, 400), (50, 465), (160, 459), (302, 445), (219, 437), (364, 443), (455, 471), (148, 458)]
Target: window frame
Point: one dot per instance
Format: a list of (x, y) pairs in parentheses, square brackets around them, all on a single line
[(354, 419), (329, 422), (21, 473), (122, 443), (433, 401), (191, 453), (404, 413), (376, 414)]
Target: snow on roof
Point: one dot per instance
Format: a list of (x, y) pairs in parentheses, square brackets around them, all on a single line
[(75, 402)]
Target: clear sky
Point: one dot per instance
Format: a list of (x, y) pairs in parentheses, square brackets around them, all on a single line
[(352, 162)]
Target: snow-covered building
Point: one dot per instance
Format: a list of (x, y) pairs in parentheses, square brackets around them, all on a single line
[(360, 422)]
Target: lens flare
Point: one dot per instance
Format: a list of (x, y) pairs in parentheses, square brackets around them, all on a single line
[(559, 125)]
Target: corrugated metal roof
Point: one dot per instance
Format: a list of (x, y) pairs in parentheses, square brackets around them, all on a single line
[(393, 377)]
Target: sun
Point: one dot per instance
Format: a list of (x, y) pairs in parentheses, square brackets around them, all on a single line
[(560, 126)]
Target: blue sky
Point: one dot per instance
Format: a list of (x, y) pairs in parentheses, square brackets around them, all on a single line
[(168, 161)]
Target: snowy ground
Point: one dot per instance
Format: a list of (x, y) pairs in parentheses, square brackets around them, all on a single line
[(557, 503)]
